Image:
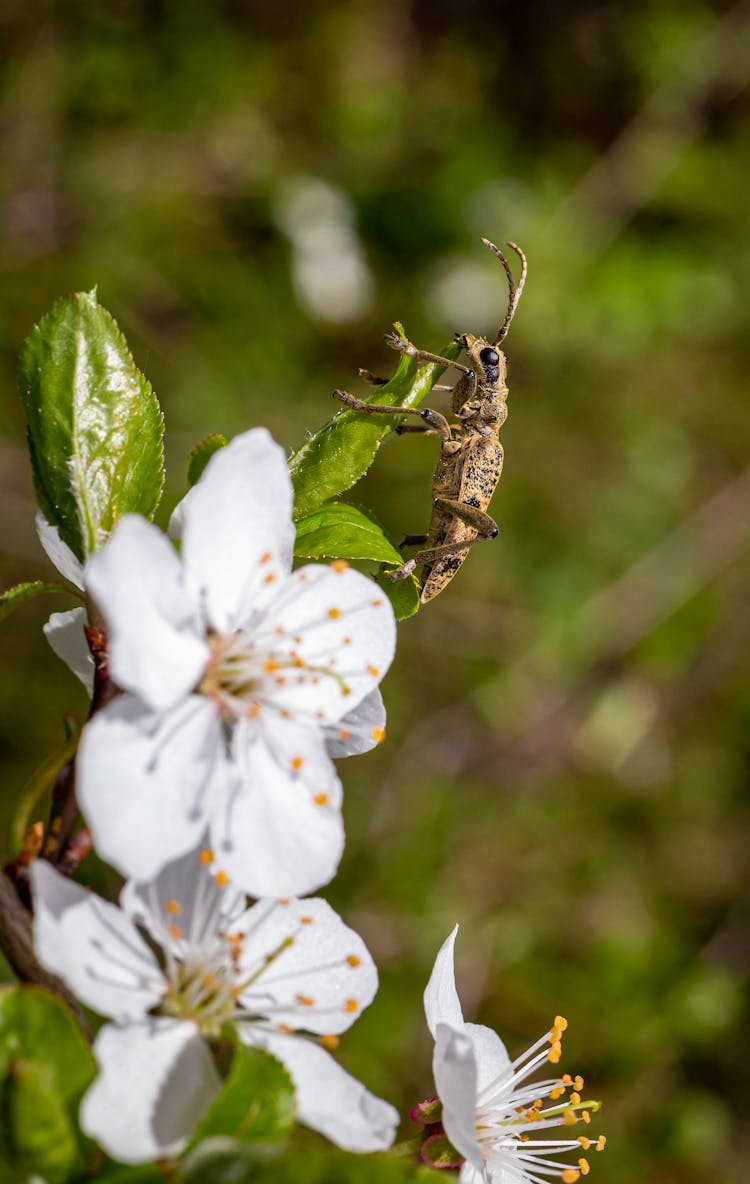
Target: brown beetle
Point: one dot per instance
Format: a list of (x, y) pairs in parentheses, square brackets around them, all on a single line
[(471, 455)]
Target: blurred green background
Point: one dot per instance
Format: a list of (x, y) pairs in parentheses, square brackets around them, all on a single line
[(258, 190)]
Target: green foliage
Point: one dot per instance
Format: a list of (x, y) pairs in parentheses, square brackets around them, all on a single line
[(94, 425), (256, 1103), (341, 452), (46, 1066), (201, 455), (341, 531), (27, 591)]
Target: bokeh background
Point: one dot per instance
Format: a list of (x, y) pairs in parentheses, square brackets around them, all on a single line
[(258, 190)]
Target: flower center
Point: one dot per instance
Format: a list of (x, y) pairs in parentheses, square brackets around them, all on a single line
[(248, 672), (203, 989)]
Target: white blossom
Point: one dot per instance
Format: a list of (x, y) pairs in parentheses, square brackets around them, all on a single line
[(180, 958), (491, 1112), (242, 680)]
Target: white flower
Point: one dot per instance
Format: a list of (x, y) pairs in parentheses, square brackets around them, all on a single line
[(289, 974), (243, 679), (491, 1112), (64, 631)]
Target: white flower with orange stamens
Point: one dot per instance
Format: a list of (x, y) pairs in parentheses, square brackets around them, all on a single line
[(288, 974), (491, 1112), (242, 679)]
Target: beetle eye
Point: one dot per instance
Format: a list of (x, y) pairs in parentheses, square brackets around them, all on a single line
[(489, 356)]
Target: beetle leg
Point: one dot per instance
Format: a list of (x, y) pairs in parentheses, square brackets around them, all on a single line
[(421, 356), (372, 378), (412, 540), (485, 527), (436, 422)]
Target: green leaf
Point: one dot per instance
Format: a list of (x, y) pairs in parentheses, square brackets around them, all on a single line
[(95, 427), (322, 1165), (201, 455), (342, 451), (46, 1066), (256, 1102), (403, 595), (340, 531), (20, 593), (221, 1161)]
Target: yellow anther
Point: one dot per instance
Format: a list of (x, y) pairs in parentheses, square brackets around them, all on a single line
[(353, 960), (206, 856), (330, 1041), (584, 1166), (601, 1143), (173, 906), (570, 1175), (584, 1141), (305, 920), (266, 557), (320, 799), (222, 879), (351, 1006), (575, 1099), (561, 1022), (174, 932), (537, 1103), (578, 1083), (347, 641), (523, 1138), (566, 1079), (569, 1118), (373, 670), (555, 1053), (269, 579), (334, 613), (377, 603), (297, 762), (557, 1092), (305, 1000), (378, 735), (585, 1116), (339, 565), (269, 666)]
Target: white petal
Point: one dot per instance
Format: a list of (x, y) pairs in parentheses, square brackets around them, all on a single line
[(59, 552), (205, 908), (455, 1072), (156, 1080), (471, 1175), (93, 946), (236, 529), (147, 782), (359, 730), (441, 1002), (155, 634), (272, 837), (322, 975), (342, 623), (64, 632), (329, 1099), (491, 1057)]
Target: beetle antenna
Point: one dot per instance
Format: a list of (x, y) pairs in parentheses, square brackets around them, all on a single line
[(514, 290)]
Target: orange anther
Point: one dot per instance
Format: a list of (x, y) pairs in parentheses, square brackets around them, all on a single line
[(570, 1175), (584, 1141), (584, 1166), (347, 641), (270, 666), (266, 557), (285, 900), (333, 613), (377, 603), (330, 1041), (206, 856), (344, 734), (575, 1099), (297, 762), (269, 579), (569, 1118), (555, 1053), (339, 565), (287, 1028), (222, 879), (306, 920), (378, 735), (208, 980), (373, 670), (585, 1116), (561, 1022), (578, 1083), (174, 932), (351, 1006), (601, 1142), (305, 1000), (285, 713), (353, 960), (173, 906), (253, 710), (321, 799)]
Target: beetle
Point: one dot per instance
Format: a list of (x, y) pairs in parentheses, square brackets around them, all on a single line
[(471, 455)]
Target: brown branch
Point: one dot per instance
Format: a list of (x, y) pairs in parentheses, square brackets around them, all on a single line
[(18, 946)]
